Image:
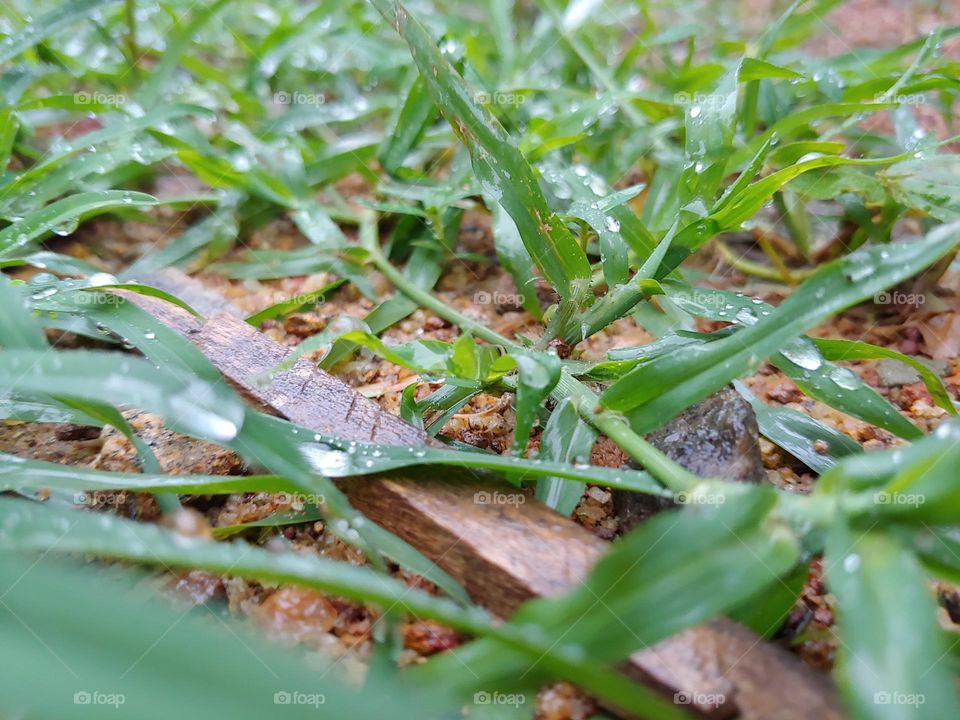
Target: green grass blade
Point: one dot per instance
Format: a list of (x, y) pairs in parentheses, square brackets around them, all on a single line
[(16, 473), (48, 25), (665, 387), (31, 526), (839, 349), (41, 222), (891, 659), (566, 438), (18, 330), (151, 661), (800, 434), (502, 170), (150, 94)]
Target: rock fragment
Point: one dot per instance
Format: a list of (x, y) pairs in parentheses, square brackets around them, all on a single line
[(716, 438)]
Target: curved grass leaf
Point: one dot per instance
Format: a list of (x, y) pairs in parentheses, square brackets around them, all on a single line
[(422, 270), (537, 375), (926, 489), (213, 234), (682, 582), (800, 434), (658, 391), (39, 223), (929, 184), (104, 414), (407, 126), (800, 360), (871, 470), (284, 449), (188, 403), (278, 519), (738, 209), (187, 391), (29, 527), (787, 126), (514, 258), (294, 304), (840, 388), (41, 410), (709, 129), (839, 349)]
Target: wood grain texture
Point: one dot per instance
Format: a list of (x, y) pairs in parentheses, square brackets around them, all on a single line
[(503, 554)]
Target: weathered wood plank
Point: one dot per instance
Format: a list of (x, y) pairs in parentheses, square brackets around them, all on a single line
[(503, 554)]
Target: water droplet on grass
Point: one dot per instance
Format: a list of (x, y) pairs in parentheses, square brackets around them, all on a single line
[(805, 357), (101, 279), (66, 227)]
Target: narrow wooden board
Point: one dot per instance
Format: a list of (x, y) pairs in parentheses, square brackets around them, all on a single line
[(503, 554)]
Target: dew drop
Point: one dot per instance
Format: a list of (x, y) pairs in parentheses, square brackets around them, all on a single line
[(101, 279)]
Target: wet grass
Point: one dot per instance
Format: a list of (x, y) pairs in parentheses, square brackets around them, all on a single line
[(614, 145)]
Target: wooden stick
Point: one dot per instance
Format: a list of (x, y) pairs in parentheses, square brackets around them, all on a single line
[(503, 554)]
